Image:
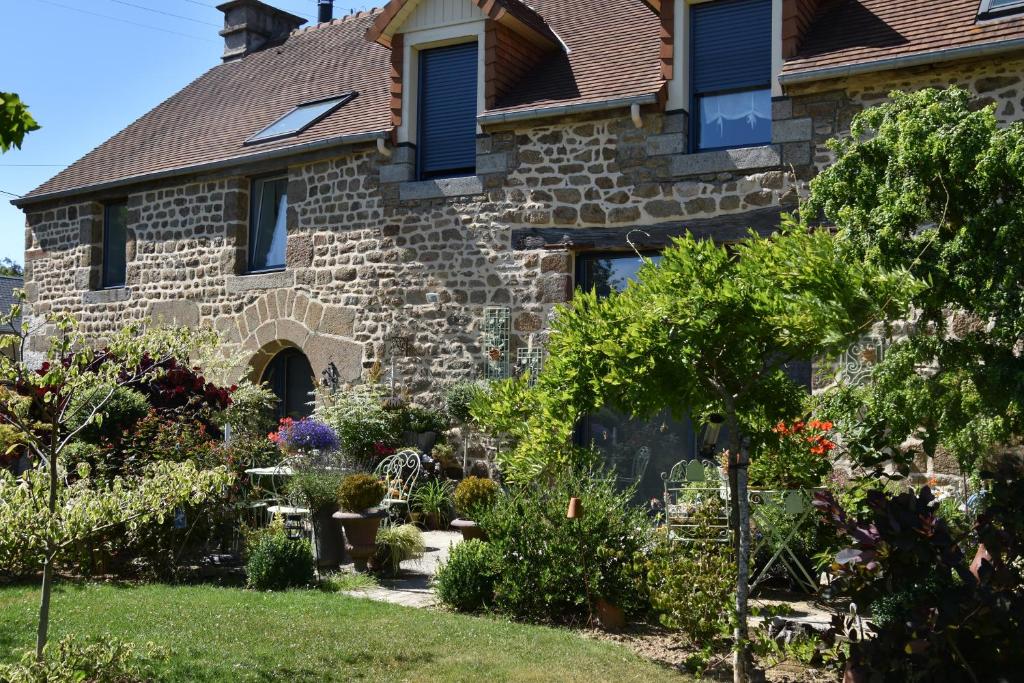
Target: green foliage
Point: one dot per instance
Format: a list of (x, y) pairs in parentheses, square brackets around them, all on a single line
[(251, 413), (361, 422), (397, 543), (342, 582), (796, 456), (433, 497), (474, 495), (929, 183), (466, 581), (104, 661), (15, 121), (11, 268), (318, 489), (122, 408), (691, 586), (422, 419), (276, 562), (459, 399), (359, 492), (552, 568)]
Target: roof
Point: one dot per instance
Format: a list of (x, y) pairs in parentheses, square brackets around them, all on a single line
[(210, 119), (8, 284), (524, 14), (849, 33)]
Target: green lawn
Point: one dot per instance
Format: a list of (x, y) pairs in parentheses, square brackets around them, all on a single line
[(224, 634)]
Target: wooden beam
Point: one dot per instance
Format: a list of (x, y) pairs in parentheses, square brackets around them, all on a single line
[(726, 228)]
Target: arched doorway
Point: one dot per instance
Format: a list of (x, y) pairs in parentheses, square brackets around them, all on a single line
[(290, 376)]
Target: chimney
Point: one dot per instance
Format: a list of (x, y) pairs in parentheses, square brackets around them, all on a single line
[(250, 25), (326, 10)]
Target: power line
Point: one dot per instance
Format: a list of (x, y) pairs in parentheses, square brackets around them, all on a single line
[(124, 21), (166, 14), (203, 4), (18, 196), (33, 165)]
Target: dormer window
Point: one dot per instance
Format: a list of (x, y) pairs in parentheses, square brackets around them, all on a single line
[(447, 101), (992, 9), (300, 118), (731, 43)]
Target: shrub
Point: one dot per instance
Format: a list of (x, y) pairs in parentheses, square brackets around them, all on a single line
[(794, 456), (103, 661), (473, 495), (397, 543), (277, 562), (251, 413), (691, 585), (433, 497), (466, 581), (304, 435), (124, 408), (420, 419), (458, 399), (359, 492), (362, 424), (553, 568)]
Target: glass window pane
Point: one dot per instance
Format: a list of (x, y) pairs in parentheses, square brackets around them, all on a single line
[(609, 274), (268, 233), (300, 118), (735, 119), (115, 234)]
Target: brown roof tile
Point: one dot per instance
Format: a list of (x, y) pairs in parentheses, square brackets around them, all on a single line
[(612, 53), (849, 32)]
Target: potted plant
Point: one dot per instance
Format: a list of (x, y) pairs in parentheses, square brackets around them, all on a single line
[(397, 543), (433, 500), (423, 425), (318, 491), (472, 495), (358, 497)]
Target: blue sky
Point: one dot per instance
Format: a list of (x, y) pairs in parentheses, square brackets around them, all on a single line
[(88, 68)]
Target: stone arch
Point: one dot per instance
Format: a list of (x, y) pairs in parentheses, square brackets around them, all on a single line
[(281, 319)]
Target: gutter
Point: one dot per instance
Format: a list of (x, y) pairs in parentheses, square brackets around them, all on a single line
[(920, 59), (565, 109), (208, 166)]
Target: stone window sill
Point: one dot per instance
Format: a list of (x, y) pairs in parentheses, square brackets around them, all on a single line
[(440, 188), (726, 160), (106, 296), (255, 281)]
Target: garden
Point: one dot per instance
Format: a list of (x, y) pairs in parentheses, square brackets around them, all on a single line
[(157, 522)]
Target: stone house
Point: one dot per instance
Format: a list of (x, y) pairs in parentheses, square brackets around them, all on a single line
[(429, 179)]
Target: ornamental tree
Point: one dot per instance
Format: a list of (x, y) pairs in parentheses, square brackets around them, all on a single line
[(49, 509), (709, 329), (15, 121), (930, 184)]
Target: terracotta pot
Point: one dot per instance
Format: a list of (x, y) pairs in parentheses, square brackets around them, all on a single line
[(469, 529), (610, 617), (328, 540), (360, 535)]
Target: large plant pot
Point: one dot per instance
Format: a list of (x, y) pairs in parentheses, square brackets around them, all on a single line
[(425, 441), (469, 529), (329, 542), (360, 535), (610, 617)]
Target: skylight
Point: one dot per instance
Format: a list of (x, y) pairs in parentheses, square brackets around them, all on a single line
[(300, 118), (991, 9)]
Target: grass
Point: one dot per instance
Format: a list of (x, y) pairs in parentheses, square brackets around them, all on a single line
[(227, 634)]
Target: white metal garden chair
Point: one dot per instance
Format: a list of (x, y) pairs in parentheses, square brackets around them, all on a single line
[(690, 485), (296, 518), (399, 473)]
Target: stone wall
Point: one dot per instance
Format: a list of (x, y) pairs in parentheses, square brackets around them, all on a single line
[(372, 253)]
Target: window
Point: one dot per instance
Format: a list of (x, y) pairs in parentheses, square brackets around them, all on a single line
[(447, 111), (731, 42), (115, 236), (300, 118), (991, 9), (268, 232), (290, 377)]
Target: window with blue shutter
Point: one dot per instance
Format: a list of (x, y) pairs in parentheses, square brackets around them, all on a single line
[(731, 43), (447, 111)]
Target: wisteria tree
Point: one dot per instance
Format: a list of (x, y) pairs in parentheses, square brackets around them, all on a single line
[(48, 508)]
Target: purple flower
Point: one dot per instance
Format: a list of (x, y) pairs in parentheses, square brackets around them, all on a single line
[(310, 435)]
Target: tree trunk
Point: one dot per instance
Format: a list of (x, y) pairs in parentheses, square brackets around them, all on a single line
[(47, 587), (741, 541)]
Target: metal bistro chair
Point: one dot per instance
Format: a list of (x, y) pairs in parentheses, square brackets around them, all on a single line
[(399, 473), (688, 486), (297, 519), (632, 471)]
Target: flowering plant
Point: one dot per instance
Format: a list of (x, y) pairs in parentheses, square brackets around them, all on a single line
[(796, 455), (306, 434)]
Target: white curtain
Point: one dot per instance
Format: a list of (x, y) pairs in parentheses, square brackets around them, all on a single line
[(276, 251), (750, 106)]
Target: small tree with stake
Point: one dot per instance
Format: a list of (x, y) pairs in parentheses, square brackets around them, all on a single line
[(709, 329), (49, 509)]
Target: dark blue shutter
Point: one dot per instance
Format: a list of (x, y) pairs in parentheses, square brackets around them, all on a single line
[(447, 103), (732, 45)]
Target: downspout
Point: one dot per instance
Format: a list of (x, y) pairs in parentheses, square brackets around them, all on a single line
[(634, 113)]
